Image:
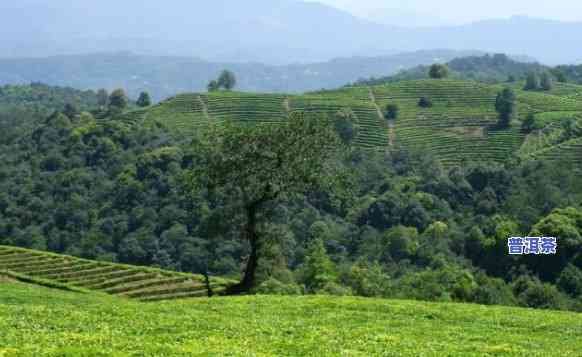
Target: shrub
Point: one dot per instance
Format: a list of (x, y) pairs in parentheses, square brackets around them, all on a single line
[(391, 111), (318, 270), (492, 291), (532, 82), (438, 71), (570, 281), (424, 102), (345, 125), (533, 293), (335, 289), (275, 287), (546, 82), (529, 124), (368, 280)]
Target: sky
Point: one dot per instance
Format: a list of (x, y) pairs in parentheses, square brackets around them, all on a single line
[(453, 12)]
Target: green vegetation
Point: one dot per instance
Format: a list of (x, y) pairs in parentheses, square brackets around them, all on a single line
[(424, 102), (546, 82), (505, 106), (43, 322), (495, 68), (257, 166), (23, 106), (461, 124), (226, 80), (144, 100), (532, 82), (102, 98), (44, 98), (166, 76), (438, 71), (391, 111), (69, 273), (427, 217), (117, 101)]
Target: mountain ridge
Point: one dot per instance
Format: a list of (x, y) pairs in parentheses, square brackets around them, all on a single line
[(164, 76), (275, 32)]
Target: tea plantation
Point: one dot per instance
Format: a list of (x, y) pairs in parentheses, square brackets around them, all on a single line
[(37, 321), (69, 273), (460, 124)]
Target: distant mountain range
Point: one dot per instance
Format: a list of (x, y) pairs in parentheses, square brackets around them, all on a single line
[(268, 31), (167, 76)]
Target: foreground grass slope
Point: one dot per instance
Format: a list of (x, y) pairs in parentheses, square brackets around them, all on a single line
[(460, 125), (43, 322), (69, 273)]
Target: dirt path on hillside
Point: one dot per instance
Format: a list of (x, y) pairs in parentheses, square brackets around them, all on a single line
[(6, 279), (390, 125), (391, 133), (287, 106), (204, 108)]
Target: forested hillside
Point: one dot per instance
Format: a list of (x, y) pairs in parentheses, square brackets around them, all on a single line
[(23, 105), (116, 189)]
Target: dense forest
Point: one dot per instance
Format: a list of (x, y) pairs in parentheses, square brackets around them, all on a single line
[(99, 189)]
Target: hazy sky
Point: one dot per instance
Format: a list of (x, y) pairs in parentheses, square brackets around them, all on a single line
[(430, 12)]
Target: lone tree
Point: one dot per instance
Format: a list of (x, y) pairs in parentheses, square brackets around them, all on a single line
[(529, 124), (227, 80), (102, 98), (438, 71), (424, 102), (546, 82), (144, 100), (532, 82), (391, 112), (505, 106), (213, 86), (346, 125), (252, 167), (117, 101), (560, 76)]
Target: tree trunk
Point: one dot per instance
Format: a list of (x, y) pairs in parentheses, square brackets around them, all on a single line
[(248, 280)]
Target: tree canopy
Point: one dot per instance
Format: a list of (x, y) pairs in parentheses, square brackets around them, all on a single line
[(144, 100), (256, 165), (227, 80), (117, 100), (438, 71), (505, 106)]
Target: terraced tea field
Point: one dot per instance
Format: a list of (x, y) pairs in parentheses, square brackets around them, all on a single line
[(460, 124), (141, 283)]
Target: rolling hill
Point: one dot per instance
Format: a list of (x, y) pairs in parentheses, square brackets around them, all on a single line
[(461, 125), (37, 321), (69, 273), (165, 76), (488, 68), (268, 31)]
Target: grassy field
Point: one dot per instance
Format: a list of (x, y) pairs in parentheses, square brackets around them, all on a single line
[(69, 273), (37, 321), (460, 125)]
